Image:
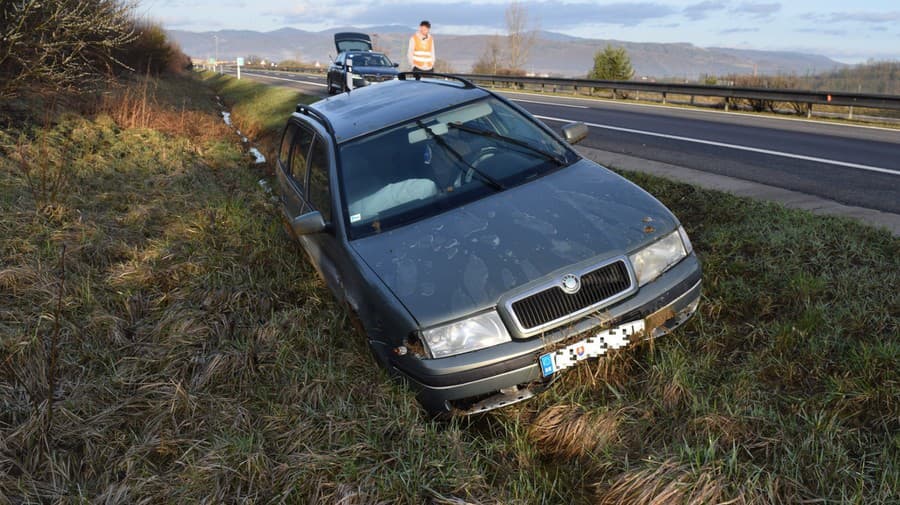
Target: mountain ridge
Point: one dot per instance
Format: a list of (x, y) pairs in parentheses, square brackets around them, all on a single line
[(555, 53)]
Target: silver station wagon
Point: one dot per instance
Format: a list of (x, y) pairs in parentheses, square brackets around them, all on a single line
[(479, 253)]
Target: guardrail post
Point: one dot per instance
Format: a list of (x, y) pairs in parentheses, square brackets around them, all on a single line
[(809, 110), (574, 90), (637, 95), (542, 87), (614, 94), (727, 103), (692, 99), (664, 98), (850, 114)]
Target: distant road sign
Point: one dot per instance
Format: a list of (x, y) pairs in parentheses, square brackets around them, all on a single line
[(240, 61)]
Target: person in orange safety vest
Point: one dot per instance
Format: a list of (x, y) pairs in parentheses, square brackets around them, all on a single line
[(421, 49)]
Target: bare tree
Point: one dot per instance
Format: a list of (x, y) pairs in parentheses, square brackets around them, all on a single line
[(491, 60), (520, 39)]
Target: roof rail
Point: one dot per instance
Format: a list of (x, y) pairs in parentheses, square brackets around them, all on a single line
[(318, 116), (419, 75)]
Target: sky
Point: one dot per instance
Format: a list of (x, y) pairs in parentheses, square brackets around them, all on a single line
[(850, 32)]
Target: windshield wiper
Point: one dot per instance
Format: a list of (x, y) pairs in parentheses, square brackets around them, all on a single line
[(483, 177), (494, 135)]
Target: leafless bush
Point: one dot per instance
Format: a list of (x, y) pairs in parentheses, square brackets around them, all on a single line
[(66, 44), (42, 163), (768, 82)]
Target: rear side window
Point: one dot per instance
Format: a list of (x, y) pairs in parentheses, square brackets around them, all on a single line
[(284, 153), (319, 186), (299, 155)]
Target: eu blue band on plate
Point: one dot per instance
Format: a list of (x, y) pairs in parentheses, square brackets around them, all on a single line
[(547, 367)]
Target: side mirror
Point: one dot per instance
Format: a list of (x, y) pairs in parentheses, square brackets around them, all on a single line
[(308, 224), (575, 132), (338, 64), (396, 65)]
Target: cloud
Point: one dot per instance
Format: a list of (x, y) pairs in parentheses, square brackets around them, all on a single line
[(702, 10), (730, 31), (758, 10), (820, 31), (863, 17), (548, 14)]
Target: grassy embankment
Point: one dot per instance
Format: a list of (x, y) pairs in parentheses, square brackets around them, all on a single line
[(181, 349)]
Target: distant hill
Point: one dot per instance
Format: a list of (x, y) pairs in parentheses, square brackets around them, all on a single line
[(555, 53)]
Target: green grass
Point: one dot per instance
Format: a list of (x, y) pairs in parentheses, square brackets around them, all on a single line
[(263, 109), (200, 359)]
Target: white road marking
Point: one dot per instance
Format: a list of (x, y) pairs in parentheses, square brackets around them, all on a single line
[(749, 115), (733, 146), (290, 80), (550, 103)]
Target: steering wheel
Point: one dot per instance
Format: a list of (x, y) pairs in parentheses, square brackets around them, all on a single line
[(484, 154)]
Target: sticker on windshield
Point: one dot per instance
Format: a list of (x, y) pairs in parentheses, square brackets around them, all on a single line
[(355, 217), (428, 155)]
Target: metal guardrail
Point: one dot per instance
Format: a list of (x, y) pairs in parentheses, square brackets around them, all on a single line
[(730, 93), (867, 100)]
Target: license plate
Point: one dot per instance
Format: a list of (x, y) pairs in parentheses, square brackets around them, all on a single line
[(591, 347)]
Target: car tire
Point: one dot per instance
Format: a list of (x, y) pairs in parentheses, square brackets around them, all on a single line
[(330, 87)]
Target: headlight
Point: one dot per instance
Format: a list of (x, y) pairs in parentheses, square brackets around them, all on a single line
[(657, 257), (477, 332)]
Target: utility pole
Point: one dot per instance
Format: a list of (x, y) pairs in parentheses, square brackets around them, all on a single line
[(216, 38)]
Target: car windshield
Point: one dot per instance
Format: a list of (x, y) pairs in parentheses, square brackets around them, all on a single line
[(438, 162), (370, 60)]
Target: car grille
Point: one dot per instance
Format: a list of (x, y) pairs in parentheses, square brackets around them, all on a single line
[(377, 77), (553, 303)]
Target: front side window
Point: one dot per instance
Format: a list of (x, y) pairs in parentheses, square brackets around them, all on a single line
[(439, 162), (319, 186)]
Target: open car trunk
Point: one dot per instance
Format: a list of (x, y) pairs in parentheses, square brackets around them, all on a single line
[(351, 41)]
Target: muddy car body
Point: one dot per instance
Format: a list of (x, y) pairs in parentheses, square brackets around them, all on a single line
[(481, 254)]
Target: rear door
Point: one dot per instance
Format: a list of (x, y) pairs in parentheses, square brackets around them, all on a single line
[(294, 168), (352, 41)]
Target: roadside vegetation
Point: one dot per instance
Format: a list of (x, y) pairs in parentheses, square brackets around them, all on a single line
[(78, 46), (161, 340), (611, 64), (508, 54)]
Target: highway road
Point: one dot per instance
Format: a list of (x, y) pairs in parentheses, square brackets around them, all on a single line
[(850, 164)]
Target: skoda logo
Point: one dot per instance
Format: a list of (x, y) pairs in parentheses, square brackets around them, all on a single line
[(571, 283)]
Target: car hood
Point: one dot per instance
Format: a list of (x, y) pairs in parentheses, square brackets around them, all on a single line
[(464, 260)]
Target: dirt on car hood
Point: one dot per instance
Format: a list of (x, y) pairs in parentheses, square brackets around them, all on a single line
[(464, 260)]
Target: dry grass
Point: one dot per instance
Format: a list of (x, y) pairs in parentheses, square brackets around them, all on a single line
[(142, 104), (567, 431), (666, 483)]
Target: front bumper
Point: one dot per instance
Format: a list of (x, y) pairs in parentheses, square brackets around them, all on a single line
[(450, 383)]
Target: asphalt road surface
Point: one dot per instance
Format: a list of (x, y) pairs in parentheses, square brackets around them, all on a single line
[(854, 165)]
